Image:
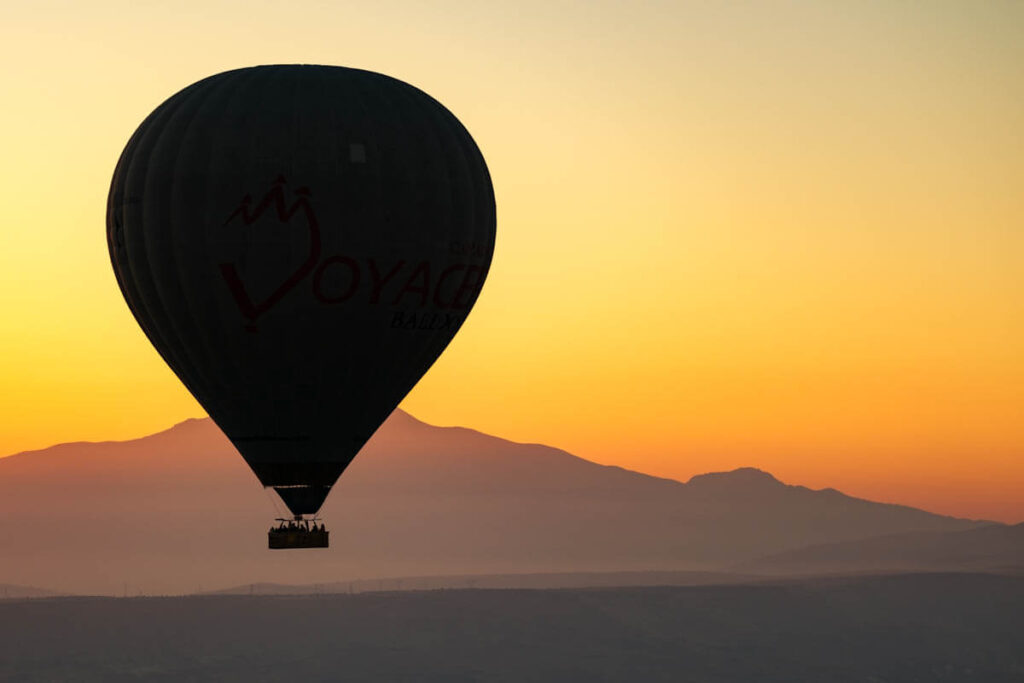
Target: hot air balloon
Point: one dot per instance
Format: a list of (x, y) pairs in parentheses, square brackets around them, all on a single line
[(300, 243)]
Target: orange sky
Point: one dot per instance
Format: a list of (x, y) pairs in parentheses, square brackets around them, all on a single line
[(786, 235)]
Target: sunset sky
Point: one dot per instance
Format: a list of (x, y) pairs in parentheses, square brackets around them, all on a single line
[(788, 235)]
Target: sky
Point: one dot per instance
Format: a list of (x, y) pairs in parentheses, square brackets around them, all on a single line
[(787, 235)]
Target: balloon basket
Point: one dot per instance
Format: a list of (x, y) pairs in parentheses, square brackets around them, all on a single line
[(296, 536)]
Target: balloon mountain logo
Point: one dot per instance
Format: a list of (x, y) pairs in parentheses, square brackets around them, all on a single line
[(274, 200), (426, 295)]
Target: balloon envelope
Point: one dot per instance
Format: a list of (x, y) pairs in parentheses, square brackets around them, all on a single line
[(300, 243)]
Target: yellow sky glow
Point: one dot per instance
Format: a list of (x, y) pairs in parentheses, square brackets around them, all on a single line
[(782, 234)]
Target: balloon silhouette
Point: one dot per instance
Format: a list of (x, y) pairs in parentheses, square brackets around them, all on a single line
[(300, 244)]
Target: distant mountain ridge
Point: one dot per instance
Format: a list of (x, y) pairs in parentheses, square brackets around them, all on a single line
[(496, 581), (13, 592), (994, 548), (179, 510)]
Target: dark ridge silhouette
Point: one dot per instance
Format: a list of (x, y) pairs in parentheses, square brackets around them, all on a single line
[(180, 512), (896, 629), (990, 548)]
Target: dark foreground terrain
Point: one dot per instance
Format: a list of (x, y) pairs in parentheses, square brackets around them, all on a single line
[(926, 627)]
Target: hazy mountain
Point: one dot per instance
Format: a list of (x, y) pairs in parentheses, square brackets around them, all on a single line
[(991, 548), (895, 629), (179, 511), (12, 592)]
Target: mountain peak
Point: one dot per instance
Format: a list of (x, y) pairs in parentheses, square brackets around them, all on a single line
[(745, 477)]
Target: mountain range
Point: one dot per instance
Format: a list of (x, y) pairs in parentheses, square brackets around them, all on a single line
[(179, 512)]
